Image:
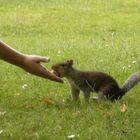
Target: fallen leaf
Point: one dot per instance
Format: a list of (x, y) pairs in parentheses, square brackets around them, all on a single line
[(17, 94), (47, 101), (61, 110), (30, 131), (78, 113), (1, 131), (123, 107), (2, 113)]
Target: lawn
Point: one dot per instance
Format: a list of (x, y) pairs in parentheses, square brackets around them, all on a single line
[(99, 35)]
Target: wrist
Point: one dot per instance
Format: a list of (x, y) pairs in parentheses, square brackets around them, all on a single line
[(21, 62)]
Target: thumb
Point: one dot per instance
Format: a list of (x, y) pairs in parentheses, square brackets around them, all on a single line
[(39, 59)]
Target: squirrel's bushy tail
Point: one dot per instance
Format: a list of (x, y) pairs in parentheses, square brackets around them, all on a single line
[(130, 82)]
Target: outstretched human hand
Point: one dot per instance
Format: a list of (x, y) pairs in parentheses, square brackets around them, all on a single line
[(32, 64)]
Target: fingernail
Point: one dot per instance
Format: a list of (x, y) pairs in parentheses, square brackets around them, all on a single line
[(48, 58)]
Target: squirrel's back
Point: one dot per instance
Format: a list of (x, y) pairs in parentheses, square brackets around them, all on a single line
[(95, 79)]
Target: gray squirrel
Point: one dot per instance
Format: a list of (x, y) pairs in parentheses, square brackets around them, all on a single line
[(88, 81)]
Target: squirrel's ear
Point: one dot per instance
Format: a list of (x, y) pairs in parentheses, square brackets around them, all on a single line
[(71, 62)]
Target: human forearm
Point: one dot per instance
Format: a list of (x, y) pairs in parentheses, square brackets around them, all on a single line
[(11, 55)]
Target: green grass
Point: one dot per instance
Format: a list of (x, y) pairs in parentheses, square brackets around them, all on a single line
[(99, 35)]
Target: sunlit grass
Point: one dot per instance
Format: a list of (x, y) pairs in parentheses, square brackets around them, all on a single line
[(97, 35)]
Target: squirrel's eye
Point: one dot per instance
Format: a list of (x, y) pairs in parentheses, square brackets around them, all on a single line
[(62, 65)]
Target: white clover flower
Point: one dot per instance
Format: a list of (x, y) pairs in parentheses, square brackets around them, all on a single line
[(59, 52), (133, 62), (1, 131), (124, 67), (129, 66), (71, 136), (24, 86)]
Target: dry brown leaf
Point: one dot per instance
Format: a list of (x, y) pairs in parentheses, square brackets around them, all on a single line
[(47, 101), (78, 113), (61, 110), (30, 131), (17, 94)]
